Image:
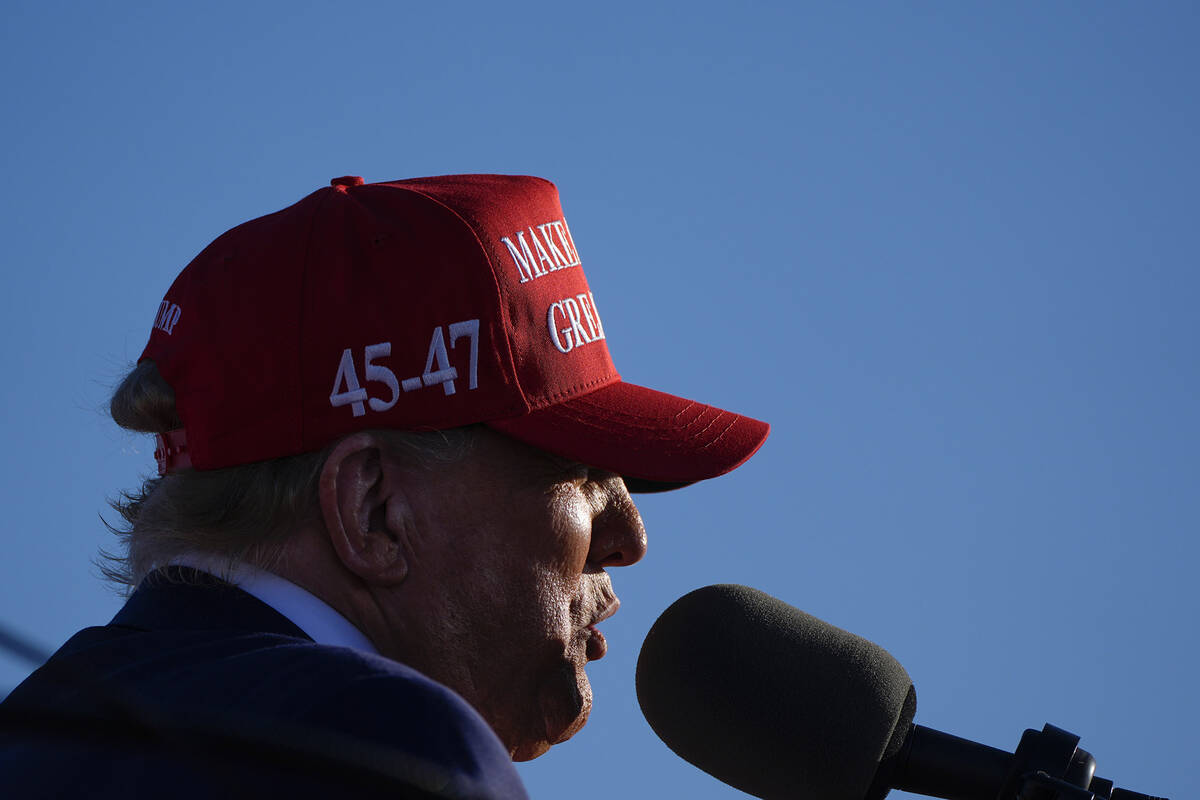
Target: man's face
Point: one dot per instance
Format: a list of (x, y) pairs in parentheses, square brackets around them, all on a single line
[(508, 567)]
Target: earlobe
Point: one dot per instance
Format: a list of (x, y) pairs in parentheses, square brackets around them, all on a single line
[(365, 511)]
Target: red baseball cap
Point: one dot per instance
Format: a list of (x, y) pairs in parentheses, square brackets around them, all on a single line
[(419, 304)]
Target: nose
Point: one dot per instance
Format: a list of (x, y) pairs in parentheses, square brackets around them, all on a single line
[(618, 535)]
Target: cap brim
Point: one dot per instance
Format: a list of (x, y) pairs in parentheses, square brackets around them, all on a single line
[(656, 441)]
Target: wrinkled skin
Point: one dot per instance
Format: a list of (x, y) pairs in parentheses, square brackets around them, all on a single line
[(508, 550)]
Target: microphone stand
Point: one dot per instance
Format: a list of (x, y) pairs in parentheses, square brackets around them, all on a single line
[(1050, 765)]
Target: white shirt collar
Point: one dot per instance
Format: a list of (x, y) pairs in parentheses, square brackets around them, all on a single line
[(307, 612)]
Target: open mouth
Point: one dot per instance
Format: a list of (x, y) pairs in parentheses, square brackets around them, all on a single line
[(597, 645)]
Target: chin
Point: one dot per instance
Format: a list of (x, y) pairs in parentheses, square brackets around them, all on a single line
[(530, 752), (565, 703)]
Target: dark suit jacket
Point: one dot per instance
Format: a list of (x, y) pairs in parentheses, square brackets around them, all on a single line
[(198, 689)]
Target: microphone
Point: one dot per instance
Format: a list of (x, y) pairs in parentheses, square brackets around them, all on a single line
[(780, 704)]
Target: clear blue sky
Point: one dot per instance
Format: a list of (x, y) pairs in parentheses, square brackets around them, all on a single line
[(949, 251)]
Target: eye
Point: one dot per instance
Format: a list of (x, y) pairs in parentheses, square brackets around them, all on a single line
[(570, 481), (598, 490), (570, 472)]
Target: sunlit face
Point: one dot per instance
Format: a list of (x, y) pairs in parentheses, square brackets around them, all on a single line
[(509, 554)]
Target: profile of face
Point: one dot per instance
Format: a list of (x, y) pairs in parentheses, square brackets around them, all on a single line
[(509, 549)]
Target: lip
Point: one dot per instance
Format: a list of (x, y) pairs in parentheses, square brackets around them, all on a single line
[(611, 609), (597, 645)]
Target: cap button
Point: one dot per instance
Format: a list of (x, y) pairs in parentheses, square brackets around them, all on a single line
[(347, 180)]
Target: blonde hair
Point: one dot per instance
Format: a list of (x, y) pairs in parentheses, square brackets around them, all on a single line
[(241, 513)]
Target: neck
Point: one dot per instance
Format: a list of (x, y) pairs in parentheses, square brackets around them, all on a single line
[(309, 561)]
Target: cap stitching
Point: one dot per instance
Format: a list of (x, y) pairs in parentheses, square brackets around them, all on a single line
[(720, 435), (654, 430), (553, 398), (714, 420), (655, 433), (674, 417), (299, 392), (512, 363)]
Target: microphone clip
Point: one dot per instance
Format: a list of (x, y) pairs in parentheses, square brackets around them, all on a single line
[(1050, 765)]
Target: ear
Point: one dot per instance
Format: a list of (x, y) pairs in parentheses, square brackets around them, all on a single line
[(366, 512)]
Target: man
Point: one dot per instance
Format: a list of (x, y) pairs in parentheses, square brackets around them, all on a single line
[(395, 461)]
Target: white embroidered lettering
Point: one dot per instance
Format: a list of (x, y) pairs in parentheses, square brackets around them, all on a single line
[(552, 250), (572, 308), (167, 316), (377, 372), (444, 374), (470, 329), (564, 235), (438, 370), (559, 258), (574, 322), (354, 394), (542, 255), (585, 305), (554, 329), (527, 266), (596, 312)]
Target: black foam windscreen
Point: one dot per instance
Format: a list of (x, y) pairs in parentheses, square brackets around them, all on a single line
[(769, 699)]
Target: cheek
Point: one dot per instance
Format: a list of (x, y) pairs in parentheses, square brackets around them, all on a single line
[(528, 606), (571, 526), (556, 607), (526, 575)]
